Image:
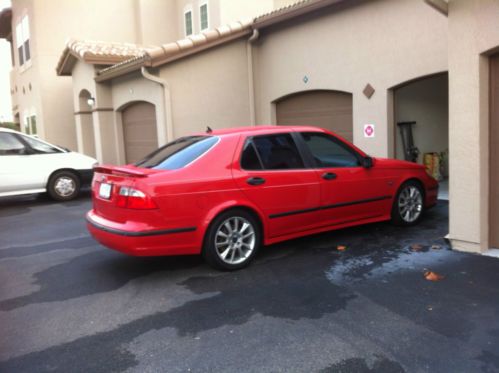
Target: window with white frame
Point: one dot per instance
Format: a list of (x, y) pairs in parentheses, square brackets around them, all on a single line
[(188, 22), (22, 41), (203, 16)]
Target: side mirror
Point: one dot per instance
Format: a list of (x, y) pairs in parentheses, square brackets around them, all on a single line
[(367, 162)]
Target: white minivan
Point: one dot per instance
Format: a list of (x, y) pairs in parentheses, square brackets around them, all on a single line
[(30, 165)]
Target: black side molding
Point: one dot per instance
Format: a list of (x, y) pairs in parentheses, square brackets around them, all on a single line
[(141, 233), (327, 207)]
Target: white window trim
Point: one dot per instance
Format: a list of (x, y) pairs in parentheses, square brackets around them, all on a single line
[(19, 23), (207, 14), (188, 9)]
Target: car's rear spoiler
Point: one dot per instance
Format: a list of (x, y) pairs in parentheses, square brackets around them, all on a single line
[(122, 171)]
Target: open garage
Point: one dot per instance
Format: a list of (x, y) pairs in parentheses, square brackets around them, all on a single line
[(422, 125)]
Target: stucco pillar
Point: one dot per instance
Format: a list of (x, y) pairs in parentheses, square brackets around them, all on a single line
[(85, 133), (468, 132), (106, 136)]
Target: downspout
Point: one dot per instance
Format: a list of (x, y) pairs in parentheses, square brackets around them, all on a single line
[(251, 81), (166, 99)]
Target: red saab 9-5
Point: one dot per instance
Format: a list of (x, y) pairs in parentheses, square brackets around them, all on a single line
[(225, 193)]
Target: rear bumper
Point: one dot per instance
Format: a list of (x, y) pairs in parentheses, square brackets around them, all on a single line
[(431, 195), (175, 241)]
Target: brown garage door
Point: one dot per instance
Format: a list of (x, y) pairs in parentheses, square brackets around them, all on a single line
[(494, 152), (327, 109), (139, 131)]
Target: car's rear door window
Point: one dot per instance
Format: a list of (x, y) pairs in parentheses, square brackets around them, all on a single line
[(178, 153), (328, 151), (11, 145), (273, 152)]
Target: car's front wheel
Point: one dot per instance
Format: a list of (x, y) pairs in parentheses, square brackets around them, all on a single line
[(409, 204), (63, 186), (232, 240)]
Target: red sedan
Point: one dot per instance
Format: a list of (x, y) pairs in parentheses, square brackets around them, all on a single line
[(226, 193)]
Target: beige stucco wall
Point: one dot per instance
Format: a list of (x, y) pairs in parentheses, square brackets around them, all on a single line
[(473, 32), (156, 21), (231, 10), (209, 89), (384, 43)]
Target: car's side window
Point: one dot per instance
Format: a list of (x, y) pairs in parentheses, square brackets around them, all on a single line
[(11, 145), (249, 158), (39, 146), (276, 152), (329, 152)]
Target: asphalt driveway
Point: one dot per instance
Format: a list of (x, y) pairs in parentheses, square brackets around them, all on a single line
[(69, 305)]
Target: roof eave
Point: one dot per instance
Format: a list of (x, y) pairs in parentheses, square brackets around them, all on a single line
[(123, 69), (6, 24), (293, 12), (167, 59)]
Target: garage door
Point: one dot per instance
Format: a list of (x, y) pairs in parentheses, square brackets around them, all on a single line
[(494, 149), (327, 109), (139, 131)]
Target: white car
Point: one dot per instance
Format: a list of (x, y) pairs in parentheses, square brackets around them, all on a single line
[(30, 165)]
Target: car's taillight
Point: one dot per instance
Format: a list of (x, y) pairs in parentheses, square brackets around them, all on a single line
[(134, 199)]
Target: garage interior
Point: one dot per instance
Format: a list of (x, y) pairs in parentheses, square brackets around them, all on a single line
[(422, 107), (331, 110)]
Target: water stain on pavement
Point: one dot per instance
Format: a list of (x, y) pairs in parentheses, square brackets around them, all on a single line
[(237, 297), (96, 272), (359, 365)]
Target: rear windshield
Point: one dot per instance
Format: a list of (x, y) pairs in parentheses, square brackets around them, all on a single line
[(179, 153)]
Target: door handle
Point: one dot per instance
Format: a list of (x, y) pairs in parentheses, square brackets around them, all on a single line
[(329, 176), (255, 180)]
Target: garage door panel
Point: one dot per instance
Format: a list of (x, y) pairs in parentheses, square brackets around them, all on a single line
[(327, 109), (139, 131)]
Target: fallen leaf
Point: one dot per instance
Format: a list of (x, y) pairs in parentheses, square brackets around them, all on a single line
[(433, 276), (436, 247), (341, 248), (416, 247)]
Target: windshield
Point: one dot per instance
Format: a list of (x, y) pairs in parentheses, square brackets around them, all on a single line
[(39, 146), (179, 153)]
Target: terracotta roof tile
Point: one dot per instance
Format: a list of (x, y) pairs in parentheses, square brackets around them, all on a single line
[(97, 52)]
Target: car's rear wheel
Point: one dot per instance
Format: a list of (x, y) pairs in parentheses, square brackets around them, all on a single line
[(232, 240), (63, 186), (408, 205)]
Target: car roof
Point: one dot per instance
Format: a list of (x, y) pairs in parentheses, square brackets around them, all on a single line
[(262, 130), (8, 130)]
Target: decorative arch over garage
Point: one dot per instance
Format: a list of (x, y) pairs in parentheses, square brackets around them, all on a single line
[(139, 130), (332, 110)]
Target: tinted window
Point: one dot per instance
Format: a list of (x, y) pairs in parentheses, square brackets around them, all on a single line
[(39, 146), (330, 152), (278, 152), (179, 153), (249, 158), (11, 145)]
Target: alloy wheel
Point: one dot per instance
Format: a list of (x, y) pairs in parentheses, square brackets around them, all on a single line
[(410, 203), (235, 240)]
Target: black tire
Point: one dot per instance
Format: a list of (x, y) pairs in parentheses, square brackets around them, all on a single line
[(238, 245), (63, 186), (415, 203)]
